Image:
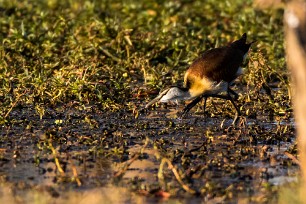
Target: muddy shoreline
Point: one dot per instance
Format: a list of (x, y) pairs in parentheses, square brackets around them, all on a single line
[(96, 149)]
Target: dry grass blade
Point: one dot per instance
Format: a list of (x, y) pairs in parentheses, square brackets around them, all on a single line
[(175, 173), (56, 160), (129, 162)]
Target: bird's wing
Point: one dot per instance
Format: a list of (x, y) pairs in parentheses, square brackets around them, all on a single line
[(218, 64)]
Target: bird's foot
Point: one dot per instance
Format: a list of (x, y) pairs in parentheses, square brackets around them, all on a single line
[(182, 114), (236, 119)]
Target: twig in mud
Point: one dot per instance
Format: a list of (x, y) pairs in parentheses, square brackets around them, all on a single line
[(75, 173), (126, 166), (129, 162), (293, 158), (56, 160), (107, 53), (14, 104), (176, 174), (197, 148)]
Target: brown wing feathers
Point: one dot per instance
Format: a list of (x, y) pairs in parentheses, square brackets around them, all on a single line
[(219, 63)]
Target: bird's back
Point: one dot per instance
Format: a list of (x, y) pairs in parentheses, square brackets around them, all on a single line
[(217, 64)]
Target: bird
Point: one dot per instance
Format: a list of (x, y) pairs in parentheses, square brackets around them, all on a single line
[(211, 74)]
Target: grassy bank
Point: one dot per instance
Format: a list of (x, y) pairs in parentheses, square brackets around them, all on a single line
[(113, 52), (74, 75)]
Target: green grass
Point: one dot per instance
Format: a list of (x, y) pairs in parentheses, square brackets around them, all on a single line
[(108, 52), (74, 73)]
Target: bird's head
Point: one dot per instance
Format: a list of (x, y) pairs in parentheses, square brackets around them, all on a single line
[(174, 94), (241, 43)]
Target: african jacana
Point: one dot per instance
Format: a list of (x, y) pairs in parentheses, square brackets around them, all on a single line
[(209, 75)]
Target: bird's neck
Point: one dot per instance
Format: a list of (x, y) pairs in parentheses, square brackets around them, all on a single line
[(176, 94), (184, 93)]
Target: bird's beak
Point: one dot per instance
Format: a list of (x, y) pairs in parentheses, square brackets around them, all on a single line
[(157, 98)]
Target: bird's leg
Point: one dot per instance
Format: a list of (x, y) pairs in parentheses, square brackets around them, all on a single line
[(229, 90), (214, 105), (204, 107), (228, 97), (225, 97), (238, 113), (190, 105)]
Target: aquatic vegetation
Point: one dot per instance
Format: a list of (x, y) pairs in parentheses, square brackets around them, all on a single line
[(74, 76)]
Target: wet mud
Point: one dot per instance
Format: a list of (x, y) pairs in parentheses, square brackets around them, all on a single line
[(153, 156)]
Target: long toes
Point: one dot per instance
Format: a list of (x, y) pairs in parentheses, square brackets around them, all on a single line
[(182, 114), (235, 119)]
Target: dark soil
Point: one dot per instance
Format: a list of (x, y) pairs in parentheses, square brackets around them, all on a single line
[(215, 160)]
